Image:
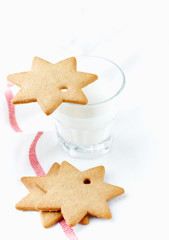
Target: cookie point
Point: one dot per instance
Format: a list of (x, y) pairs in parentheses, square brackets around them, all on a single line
[(101, 166), (70, 223), (64, 162), (73, 59), (122, 190), (95, 76), (22, 179), (13, 101), (85, 101), (47, 111), (17, 207), (35, 57), (55, 164), (8, 77)]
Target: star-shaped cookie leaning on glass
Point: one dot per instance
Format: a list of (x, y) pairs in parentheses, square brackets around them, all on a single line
[(29, 202), (77, 193), (51, 84)]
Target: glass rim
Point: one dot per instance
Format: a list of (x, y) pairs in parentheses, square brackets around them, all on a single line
[(109, 99)]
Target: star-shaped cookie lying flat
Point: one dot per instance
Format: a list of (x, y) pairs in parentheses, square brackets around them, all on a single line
[(77, 193), (51, 84), (29, 202)]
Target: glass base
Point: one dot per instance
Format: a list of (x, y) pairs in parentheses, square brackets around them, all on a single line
[(85, 151)]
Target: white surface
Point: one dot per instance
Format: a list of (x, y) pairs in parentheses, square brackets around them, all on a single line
[(135, 35)]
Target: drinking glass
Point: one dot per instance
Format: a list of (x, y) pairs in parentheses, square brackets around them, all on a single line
[(85, 131)]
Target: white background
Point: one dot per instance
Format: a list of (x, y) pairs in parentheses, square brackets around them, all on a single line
[(135, 35)]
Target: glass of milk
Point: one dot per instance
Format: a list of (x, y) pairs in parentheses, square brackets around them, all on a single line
[(85, 131)]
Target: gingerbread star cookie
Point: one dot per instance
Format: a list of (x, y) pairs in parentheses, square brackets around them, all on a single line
[(77, 193), (29, 202), (51, 84)]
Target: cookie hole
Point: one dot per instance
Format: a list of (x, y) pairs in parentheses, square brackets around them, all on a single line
[(86, 181), (63, 89)]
